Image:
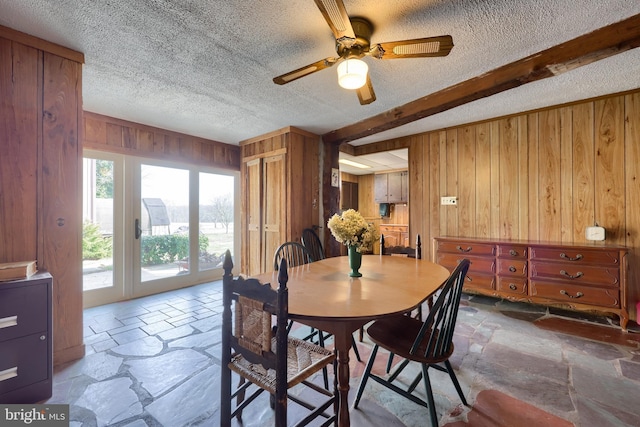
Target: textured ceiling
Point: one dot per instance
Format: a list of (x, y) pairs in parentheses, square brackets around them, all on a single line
[(205, 68)]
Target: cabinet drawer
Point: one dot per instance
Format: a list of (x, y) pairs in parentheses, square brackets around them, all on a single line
[(478, 281), (512, 285), (599, 276), (576, 255), (512, 267), (575, 294), (478, 264), (467, 248), (23, 361), (23, 311), (512, 251)]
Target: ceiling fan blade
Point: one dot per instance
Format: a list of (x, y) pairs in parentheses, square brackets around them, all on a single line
[(336, 16), (414, 48), (366, 95), (305, 71)]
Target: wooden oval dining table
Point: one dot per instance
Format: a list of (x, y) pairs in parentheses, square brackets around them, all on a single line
[(322, 295)]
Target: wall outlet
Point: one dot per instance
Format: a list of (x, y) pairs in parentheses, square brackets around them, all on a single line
[(450, 200)]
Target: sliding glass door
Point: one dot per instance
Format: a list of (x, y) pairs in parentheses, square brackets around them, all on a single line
[(153, 226)]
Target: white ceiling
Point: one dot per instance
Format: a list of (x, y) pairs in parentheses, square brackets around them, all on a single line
[(205, 67)]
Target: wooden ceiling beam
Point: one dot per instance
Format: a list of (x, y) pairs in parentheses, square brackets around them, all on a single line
[(599, 44)]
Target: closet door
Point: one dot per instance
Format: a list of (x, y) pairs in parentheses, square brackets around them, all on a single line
[(254, 221), (274, 205)]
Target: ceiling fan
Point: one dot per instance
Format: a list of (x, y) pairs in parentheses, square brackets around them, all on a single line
[(353, 41)]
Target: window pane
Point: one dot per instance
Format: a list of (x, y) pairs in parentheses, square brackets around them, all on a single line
[(216, 218)]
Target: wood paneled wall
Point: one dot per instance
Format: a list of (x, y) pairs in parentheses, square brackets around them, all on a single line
[(120, 136), (544, 175), (40, 173)]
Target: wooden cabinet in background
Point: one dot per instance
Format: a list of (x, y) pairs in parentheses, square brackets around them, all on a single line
[(575, 276), (26, 361), (280, 193), (395, 235), (391, 187)]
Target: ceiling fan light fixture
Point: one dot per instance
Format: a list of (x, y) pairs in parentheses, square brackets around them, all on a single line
[(352, 73)]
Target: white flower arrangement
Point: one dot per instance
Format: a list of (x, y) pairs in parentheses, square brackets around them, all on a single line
[(351, 229)]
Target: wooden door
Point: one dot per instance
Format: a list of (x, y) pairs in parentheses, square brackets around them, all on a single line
[(273, 211), (254, 220)]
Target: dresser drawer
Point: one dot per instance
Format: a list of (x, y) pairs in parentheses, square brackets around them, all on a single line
[(576, 256), (23, 361), (575, 294), (512, 285), (512, 251), (23, 310), (512, 267), (467, 248), (599, 276), (478, 281), (478, 264)]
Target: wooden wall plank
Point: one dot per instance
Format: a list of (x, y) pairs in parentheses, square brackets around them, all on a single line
[(609, 167), (566, 175), (105, 133), (466, 207), (583, 170), (508, 185), (632, 186), (61, 207), (483, 180), (523, 177), (549, 175), (18, 162), (494, 188), (451, 167), (534, 182)]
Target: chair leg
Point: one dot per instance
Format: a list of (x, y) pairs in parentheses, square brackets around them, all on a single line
[(365, 375), (430, 400), (456, 384), (325, 375), (390, 362), (355, 349)]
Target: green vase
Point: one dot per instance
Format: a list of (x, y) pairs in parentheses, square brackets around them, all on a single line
[(355, 260)]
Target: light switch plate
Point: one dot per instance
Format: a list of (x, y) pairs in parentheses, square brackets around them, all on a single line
[(594, 233)]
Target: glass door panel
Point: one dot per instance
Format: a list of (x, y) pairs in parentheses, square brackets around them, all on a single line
[(163, 224), (102, 221)]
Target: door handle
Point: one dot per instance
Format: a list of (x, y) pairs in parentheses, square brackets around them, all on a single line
[(138, 229)]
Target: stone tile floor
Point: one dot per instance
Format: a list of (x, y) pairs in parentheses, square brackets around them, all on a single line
[(154, 361)]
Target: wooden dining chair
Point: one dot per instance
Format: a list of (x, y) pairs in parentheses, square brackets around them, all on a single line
[(262, 359), (293, 252), (429, 343), (311, 241)]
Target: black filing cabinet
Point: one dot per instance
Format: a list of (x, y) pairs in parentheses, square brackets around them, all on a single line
[(26, 345)]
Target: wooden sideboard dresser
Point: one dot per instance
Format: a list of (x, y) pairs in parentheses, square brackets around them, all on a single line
[(26, 363), (576, 276)]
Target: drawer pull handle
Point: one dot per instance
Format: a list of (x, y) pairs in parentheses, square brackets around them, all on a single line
[(568, 258), (578, 275), (578, 295), (512, 269), (512, 287), (513, 252), (469, 278), (464, 250), (6, 322), (9, 373)]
